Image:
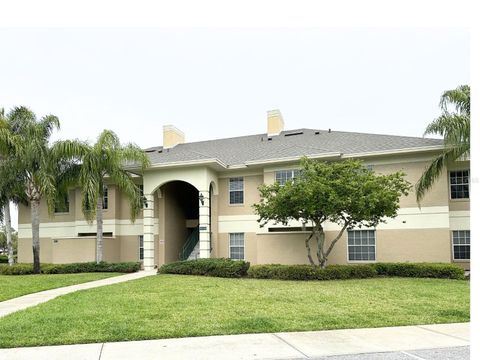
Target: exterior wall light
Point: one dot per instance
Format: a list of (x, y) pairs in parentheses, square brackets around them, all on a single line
[(201, 198)]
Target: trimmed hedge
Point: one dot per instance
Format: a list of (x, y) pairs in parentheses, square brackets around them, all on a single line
[(218, 267), (308, 272), (233, 268), (26, 269), (342, 272), (420, 270)]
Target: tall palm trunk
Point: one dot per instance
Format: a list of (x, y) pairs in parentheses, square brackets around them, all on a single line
[(35, 212), (99, 229), (8, 230)]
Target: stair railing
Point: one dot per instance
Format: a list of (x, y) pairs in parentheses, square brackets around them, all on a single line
[(190, 244)]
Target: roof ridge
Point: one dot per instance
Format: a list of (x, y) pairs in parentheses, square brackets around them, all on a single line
[(376, 134), (294, 130)]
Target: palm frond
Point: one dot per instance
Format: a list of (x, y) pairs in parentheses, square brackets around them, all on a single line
[(47, 124), (127, 186), (132, 154), (459, 98), (454, 127), (432, 173), (71, 149)]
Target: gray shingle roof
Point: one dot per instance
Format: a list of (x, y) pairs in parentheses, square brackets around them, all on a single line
[(309, 142)]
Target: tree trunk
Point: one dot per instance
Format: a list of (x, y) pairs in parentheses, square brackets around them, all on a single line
[(8, 230), (320, 236), (99, 229), (307, 245), (34, 208)]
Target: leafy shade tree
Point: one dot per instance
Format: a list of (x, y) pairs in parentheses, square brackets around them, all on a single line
[(454, 125), (107, 158), (344, 193), (41, 167)]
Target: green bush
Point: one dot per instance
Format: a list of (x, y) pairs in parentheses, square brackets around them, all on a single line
[(16, 269), (208, 267), (342, 272), (420, 270), (25, 269), (3, 259), (308, 272)]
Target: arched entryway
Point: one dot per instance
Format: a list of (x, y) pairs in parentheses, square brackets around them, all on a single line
[(178, 219), (177, 189)]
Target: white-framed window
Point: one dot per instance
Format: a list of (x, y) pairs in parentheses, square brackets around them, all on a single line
[(461, 244), (237, 246), (361, 245), (459, 184), (282, 176), (62, 205), (105, 198), (140, 247), (235, 187)]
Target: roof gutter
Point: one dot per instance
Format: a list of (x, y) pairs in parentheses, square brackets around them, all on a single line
[(213, 161)]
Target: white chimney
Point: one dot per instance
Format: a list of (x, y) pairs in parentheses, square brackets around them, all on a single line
[(172, 136), (274, 122)]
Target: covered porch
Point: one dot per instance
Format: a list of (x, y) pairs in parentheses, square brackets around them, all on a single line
[(177, 216)]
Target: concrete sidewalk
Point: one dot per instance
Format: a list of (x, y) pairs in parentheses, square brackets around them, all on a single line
[(294, 345), (26, 301)]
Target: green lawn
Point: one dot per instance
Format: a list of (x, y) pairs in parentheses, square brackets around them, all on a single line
[(166, 306), (12, 286)]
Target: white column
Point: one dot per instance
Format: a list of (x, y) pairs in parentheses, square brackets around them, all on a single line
[(204, 224), (148, 239)]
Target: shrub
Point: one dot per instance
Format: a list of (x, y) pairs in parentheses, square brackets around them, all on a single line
[(25, 269), (3, 259), (16, 269), (420, 270), (308, 272), (208, 267), (342, 272)]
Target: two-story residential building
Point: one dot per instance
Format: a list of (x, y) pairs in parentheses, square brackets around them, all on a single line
[(199, 197)]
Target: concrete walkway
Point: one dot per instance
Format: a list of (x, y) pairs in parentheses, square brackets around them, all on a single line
[(26, 301), (294, 345)]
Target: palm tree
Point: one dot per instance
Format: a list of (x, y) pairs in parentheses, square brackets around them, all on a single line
[(454, 125), (43, 169), (9, 186), (11, 190), (107, 158)]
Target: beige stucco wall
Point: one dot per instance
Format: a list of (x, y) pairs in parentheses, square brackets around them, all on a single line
[(24, 216), (431, 245), (70, 250), (437, 196), (129, 249), (118, 208), (251, 196), (25, 254), (214, 225), (80, 249)]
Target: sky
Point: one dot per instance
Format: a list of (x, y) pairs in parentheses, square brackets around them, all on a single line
[(214, 82)]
